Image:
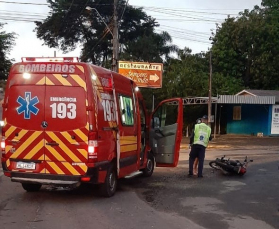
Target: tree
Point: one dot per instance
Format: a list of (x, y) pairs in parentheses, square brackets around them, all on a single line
[(247, 47), (273, 4), (69, 24), (149, 48), (7, 41)]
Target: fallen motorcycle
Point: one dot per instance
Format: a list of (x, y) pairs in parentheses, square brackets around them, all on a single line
[(230, 167)]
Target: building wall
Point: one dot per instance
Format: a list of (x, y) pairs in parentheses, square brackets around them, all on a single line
[(254, 119)]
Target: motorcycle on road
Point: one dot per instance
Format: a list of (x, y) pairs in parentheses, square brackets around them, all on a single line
[(230, 167)]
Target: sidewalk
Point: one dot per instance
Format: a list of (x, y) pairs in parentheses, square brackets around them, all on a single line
[(238, 142), (234, 146)]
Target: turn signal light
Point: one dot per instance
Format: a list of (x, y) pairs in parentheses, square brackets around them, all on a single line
[(3, 144)]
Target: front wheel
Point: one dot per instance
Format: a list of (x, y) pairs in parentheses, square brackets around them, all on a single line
[(214, 165), (148, 170), (31, 187), (108, 188)]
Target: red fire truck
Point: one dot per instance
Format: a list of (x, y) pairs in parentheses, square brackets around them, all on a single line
[(68, 122)]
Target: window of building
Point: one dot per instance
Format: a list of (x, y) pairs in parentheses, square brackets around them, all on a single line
[(126, 109), (237, 113)]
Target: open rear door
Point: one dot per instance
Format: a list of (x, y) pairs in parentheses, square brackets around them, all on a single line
[(166, 132)]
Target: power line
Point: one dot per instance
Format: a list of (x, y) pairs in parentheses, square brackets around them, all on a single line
[(189, 37), (19, 20), (171, 27), (194, 9), (26, 3), (187, 11), (22, 12)]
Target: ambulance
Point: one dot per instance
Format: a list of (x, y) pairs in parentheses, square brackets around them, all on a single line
[(66, 123)]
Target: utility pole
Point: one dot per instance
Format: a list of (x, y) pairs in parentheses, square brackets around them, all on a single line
[(209, 89), (115, 43)]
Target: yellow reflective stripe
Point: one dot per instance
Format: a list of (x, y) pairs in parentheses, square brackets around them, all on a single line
[(55, 154), (128, 140), (22, 133), (71, 168), (62, 80), (80, 68), (79, 81), (42, 158), (35, 150), (49, 82), (127, 148), (83, 152), (68, 137), (8, 148), (63, 147), (41, 82), (55, 168), (8, 163), (9, 131), (47, 171), (83, 167), (26, 144), (81, 135)]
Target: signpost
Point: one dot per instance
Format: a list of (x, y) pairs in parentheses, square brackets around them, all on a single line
[(143, 74)]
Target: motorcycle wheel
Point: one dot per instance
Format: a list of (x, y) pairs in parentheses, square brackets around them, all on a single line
[(214, 165)]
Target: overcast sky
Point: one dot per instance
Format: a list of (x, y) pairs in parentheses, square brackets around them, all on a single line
[(189, 22)]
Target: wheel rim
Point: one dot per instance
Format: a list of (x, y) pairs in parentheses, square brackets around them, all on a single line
[(149, 165), (112, 181)]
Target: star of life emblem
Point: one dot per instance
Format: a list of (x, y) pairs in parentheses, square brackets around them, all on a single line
[(27, 105)]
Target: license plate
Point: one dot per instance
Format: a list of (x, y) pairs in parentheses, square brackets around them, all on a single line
[(25, 165)]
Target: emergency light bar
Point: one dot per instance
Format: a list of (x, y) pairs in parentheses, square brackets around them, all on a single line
[(50, 59)]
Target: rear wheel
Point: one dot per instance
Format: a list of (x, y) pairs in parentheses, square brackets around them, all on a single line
[(214, 165), (108, 188), (148, 170), (31, 187)]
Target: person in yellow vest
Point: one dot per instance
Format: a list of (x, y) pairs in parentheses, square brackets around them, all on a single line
[(195, 168), (199, 141)]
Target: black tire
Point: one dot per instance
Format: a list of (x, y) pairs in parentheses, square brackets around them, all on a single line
[(31, 187), (148, 170), (214, 165), (108, 188)]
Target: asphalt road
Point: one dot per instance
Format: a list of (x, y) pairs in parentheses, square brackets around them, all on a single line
[(218, 201), (168, 199)]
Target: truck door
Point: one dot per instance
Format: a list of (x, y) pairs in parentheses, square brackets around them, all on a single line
[(24, 112), (166, 132), (66, 124)]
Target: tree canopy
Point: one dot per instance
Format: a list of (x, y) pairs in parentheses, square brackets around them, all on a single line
[(70, 24), (247, 47), (7, 41)]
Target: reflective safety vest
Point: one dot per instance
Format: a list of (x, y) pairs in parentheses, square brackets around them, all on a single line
[(202, 134)]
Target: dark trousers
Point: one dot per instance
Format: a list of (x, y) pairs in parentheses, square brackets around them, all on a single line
[(197, 151)]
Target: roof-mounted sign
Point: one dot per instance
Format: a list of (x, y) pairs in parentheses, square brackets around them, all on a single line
[(142, 73)]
